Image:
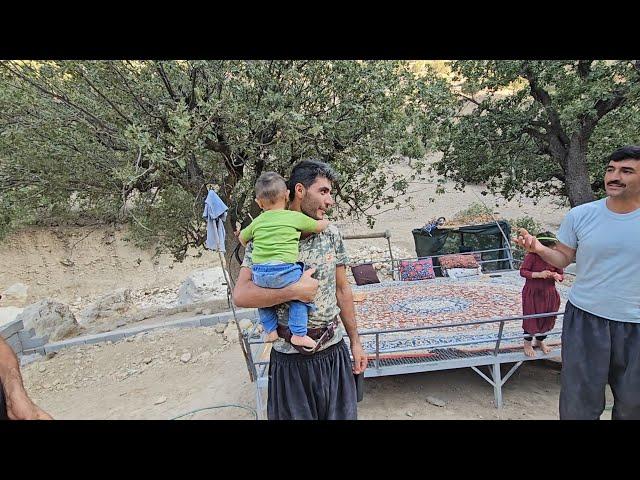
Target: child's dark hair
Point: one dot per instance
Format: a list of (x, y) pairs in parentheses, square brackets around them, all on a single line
[(547, 239), (270, 186)]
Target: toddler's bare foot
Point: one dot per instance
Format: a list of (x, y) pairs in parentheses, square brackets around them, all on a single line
[(271, 336), (544, 347), (305, 341), (528, 349)]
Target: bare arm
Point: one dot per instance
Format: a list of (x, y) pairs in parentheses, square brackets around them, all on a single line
[(322, 225), (19, 405), (247, 294), (559, 257), (344, 296)]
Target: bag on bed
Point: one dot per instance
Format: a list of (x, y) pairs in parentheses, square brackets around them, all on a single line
[(461, 272)]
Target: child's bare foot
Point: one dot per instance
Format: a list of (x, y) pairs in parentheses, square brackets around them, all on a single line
[(305, 341), (528, 349), (271, 336), (544, 347)]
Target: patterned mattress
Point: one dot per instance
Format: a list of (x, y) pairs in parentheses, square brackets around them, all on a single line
[(441, 301)]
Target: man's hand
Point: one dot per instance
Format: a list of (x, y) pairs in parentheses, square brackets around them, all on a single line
[(359, 357), (20, 407), (527, 241), (306, 288), (558, 277)]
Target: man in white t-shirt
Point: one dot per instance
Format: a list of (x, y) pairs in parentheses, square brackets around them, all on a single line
[(601, 325)]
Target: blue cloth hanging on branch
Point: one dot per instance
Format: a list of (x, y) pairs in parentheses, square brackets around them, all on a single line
[(215, 212)]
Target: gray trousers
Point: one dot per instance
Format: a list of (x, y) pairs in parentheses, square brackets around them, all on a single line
[(597, 351)]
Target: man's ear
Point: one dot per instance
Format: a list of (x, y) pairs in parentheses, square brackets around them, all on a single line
[(299, 190), (259, 203)]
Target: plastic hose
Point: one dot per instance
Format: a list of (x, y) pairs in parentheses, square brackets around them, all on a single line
[(255, 414)]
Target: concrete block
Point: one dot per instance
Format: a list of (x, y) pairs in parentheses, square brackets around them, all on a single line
[(54, 347), (210, 320), (26, 334), (34, 342), (14, 342), (34, 351), (186, 323), (103, 337), (11, 328)]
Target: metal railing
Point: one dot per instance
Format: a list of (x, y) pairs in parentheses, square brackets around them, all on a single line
[(498, 339)]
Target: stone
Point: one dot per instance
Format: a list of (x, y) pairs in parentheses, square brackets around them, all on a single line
[(207, 311), (409, 414), (436, 401), (160, 400), (147, 360), (50, 318), (15, 295), (42, 369), (111, 304), (9, 314), (220, 328), (245, 324), (203, 285), (185, 357), (231, 333)]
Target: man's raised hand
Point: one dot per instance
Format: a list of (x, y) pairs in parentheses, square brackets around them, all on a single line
[(527, 241)]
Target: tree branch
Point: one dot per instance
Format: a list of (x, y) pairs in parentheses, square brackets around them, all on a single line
[(166, 82), (543, 97)]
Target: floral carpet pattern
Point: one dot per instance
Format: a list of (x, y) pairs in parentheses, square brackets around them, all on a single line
[(442, 301)]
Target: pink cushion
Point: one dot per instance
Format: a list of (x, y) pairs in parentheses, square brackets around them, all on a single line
[(458, 261), (416, 269)]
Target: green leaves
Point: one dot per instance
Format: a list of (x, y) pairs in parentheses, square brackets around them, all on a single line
[(138, 140), (517, 121)]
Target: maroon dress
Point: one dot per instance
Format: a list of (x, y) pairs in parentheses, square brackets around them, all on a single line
[(539, 295)]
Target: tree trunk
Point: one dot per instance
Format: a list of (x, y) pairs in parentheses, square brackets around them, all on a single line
[(230, 243), (577, 181)]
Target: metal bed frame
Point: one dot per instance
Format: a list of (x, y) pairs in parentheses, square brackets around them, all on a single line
[(443, 356)]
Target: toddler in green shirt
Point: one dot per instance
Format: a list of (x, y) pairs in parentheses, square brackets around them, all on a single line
[(275, 234)]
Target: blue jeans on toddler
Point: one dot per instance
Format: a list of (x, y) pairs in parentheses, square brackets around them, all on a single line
[(280, 275)]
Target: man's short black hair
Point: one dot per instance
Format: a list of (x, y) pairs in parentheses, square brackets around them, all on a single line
[(307, 171), (625, 153)]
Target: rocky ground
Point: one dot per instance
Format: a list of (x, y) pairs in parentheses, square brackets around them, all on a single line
[(168, 373)]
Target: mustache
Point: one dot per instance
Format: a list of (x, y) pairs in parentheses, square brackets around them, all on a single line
[(616, 183)]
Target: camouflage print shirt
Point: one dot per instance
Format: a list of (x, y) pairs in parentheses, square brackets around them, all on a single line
[(325, 251)]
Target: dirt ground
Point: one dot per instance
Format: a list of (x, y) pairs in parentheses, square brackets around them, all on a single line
[(145, 378)]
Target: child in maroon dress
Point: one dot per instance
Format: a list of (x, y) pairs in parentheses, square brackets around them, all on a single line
[(539, 295)]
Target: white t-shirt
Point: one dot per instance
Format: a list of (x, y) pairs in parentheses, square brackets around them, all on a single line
[(607, 280)]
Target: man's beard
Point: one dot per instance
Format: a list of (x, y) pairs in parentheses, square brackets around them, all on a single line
[(309, 209)]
